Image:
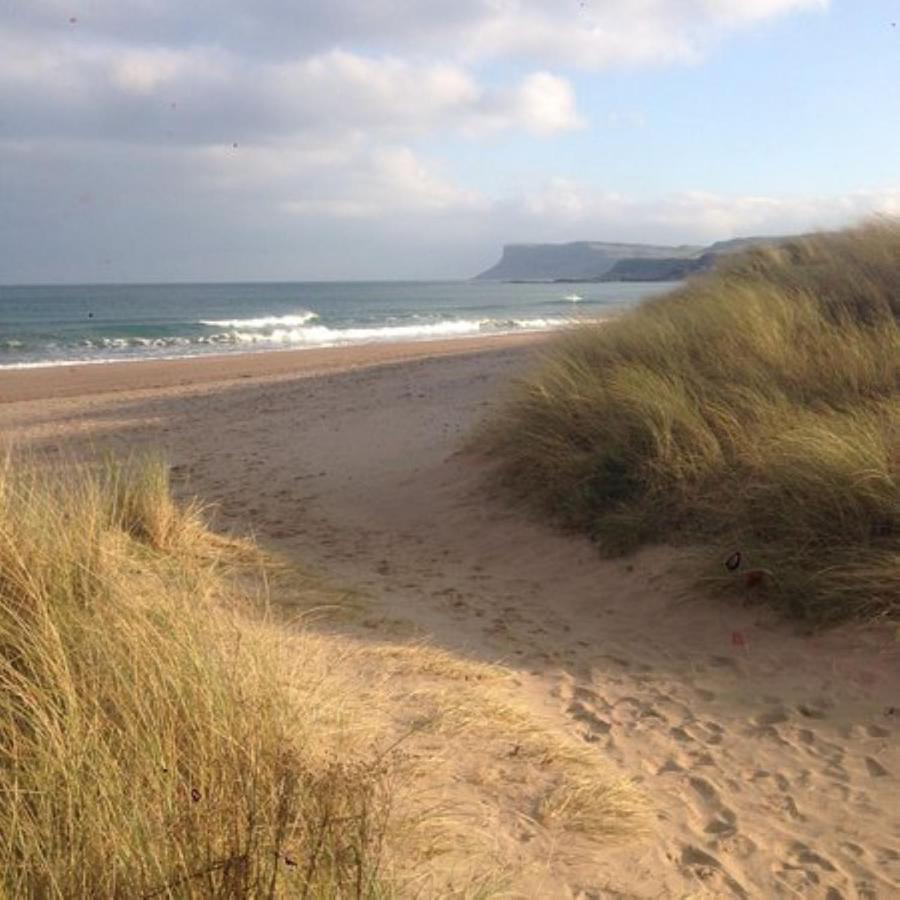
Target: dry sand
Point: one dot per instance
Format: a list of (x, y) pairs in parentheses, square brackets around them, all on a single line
[(771, 756)]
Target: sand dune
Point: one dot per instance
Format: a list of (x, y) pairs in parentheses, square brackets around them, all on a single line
[(771, 755)]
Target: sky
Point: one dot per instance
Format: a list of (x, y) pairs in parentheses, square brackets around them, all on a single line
[(280, 140)]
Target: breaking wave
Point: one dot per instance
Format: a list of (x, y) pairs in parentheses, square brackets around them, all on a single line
[(264, 322), (321, 335), (270, 332)]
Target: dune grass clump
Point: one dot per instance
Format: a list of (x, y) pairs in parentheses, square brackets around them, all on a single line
[(150, 743), (757, 407)]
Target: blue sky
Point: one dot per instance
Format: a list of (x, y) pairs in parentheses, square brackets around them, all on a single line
[(290, 139), (805, 103)]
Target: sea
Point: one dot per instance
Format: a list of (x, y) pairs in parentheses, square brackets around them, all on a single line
[(59, 325)]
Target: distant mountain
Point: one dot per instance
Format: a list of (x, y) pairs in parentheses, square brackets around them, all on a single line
[(600, 261)]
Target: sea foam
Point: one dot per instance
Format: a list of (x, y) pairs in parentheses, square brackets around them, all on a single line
[(321, 335), (123, 349), (276, 322)]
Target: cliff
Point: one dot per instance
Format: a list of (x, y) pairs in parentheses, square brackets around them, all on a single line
[(600, 261), (665, 269), (580, 260)]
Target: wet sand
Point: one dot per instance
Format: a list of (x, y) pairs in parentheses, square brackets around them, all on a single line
[(79, 380)]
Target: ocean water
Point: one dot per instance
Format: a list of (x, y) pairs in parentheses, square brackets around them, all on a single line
[(54, 325)]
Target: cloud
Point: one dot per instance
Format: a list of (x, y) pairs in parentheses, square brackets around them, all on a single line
[(566, 210), (203, 138), (330, 209), (375, 183), (217, 70), (545, 103), (592, 33), (167, 95), (598, 34), (339, 89)]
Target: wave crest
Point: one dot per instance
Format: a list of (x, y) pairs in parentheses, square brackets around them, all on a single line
[(264, 322), (319, 335), (259, 336)]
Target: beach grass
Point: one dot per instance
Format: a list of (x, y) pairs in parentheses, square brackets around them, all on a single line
[(165, 731), (755, 409), (149, 743)]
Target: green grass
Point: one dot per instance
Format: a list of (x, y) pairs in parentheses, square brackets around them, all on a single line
[(150, 745), (755, 408)]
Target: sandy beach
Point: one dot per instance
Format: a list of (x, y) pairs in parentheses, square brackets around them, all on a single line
[(80, 380), (770, 755)]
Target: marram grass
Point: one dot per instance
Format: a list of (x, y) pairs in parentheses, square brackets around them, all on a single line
[(160, 737), (149, 743), (756, 408)]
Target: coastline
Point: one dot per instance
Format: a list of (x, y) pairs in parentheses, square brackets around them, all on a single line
[(83, 379)]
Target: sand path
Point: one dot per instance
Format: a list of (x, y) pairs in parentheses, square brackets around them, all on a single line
[(772, 756)]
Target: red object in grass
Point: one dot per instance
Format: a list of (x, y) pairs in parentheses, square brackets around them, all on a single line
[(737, 639), (754, 578)]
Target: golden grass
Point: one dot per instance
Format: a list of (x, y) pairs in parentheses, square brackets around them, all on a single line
[(756, 408), (488, 768), (149, 745), (161, 735)]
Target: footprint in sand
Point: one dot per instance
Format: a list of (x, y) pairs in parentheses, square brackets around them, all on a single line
[(707, 792), (722, 824), (780, 800), (771, 717), (701, 732), (584, 706), (812, 710), (670, 765), (628, 710), (595, 725), (876, 770), (704, 694), (876, 731), (710, 870), (765, 732), (804, 870)]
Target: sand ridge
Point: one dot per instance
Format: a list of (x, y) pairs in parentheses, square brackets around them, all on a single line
[(771, 755)]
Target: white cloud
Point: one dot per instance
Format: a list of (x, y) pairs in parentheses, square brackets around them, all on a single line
[(145, 71), (213, 122), (597, 34), (565, 210), (325, 209), (348, 178), (375, 183), (194, 96), (592, 33), (340, 89), (278, 67), (350, 90), (546, 104), (736, 12)]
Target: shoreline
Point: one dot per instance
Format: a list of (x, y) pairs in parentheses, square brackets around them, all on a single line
[(84, 378)]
